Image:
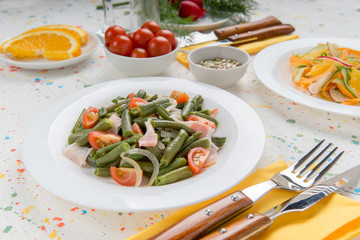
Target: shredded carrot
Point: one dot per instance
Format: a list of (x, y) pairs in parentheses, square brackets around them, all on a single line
[(319, 69)]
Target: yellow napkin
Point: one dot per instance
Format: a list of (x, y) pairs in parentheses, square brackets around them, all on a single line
[(250, 48), (334, 217)]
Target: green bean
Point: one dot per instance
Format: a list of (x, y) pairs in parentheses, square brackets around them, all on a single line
[(134, 112), (102, 112), (218, 141), (156, 151), (116, 105), (153, 98), (131, 141), (172, 149), (180, 105), (78, 122), (103, 125), (176, 163), (191, 139), (171, 124), (140, 94), (146, 166), (166, 140), (149, 108), (90, 159), (126, 124), (116, 100), (163, 113), (189, 105), (141, 120), (174, 176), (199, 114), (113, 155), (202, 142), (206, 111), (121, 109), (73, 137), (198, 101), (102, 172)]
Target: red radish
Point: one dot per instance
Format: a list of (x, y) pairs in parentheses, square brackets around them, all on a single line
[(198, 2), (188, 8)]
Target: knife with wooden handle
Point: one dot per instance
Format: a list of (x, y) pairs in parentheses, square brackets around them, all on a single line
[(265, 28), (245, 27), (254, 224)]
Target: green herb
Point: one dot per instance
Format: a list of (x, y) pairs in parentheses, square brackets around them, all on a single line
[(236, 10)]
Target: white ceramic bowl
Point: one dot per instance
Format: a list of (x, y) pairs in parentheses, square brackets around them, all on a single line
[(223, 78), (139, 67)]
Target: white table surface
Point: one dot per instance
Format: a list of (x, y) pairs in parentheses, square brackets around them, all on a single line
[(30, 212)]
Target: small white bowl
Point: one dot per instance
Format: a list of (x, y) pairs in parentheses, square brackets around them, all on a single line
[(139, 67), (223, 78)]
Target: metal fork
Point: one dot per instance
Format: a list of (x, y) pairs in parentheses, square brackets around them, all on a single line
[(298, 177)]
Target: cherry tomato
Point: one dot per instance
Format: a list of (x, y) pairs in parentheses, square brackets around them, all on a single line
[(131, 95), (169, 36), (201, 120), (136, 128), (142, 37), (112, 32), (152, 26), (121, 45), (139, 53), (158, 46), (179, 96), (135, 102), (90, 117), (196, 158), (123, 176), (100, 139)]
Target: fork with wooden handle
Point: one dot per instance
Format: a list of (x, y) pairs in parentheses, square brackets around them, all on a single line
[(295, 178)]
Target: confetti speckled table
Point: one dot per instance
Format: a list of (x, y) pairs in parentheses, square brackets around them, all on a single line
[(27, 211)]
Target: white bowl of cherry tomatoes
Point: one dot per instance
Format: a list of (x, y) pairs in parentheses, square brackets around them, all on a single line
[(148, 51)]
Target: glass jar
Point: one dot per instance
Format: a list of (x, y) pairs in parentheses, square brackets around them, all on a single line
[(142, 11)]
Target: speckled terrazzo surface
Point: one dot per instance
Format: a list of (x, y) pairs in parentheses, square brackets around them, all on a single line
[(30, 212)]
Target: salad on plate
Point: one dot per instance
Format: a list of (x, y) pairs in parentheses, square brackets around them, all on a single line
[(329, 71), (146, 140)]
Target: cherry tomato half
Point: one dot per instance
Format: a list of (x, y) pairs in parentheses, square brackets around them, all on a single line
[(135, 102), (158, 46), (169, 36), (196, 158), (121, 45), (136, 128), (179, 96), (90, 117), (100, 139), (142, 37), (112, 32), (201, 120), (152, 26), (123, 176), (139, 53)]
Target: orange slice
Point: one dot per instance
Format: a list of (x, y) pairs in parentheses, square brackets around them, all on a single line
[(78, 33), (50, 44)]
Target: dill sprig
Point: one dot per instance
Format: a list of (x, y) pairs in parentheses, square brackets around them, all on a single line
[(236, 10)]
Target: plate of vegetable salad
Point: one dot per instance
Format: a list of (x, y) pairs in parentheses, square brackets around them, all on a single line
[(141, 144), (323, 73)]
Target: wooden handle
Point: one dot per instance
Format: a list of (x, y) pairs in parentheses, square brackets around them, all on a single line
[(260, 34), (206, 218), (222, 33), (245, 228)]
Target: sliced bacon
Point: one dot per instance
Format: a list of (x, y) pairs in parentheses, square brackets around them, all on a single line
[(212, 158), (77, 154), (150, 139), (198, 126), (117, 123)]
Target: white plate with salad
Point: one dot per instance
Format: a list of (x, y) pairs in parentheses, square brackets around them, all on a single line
[(44, 159), (273, 68)]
